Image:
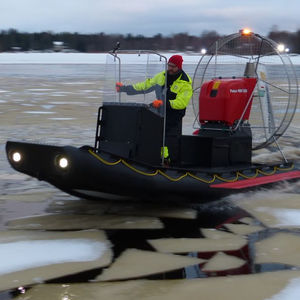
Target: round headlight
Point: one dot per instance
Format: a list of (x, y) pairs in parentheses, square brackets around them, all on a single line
[(63, 162), (16, 157)]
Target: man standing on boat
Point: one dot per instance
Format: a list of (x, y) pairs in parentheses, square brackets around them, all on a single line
[(178, 94)]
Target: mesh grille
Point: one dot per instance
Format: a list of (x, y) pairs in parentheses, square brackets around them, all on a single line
[(276, 93)]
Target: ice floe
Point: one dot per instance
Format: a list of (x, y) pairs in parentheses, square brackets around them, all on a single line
[(249, 287), (222, 261), (134, 263), (73, 222), (281, 248), (28, 257), (185, 245)]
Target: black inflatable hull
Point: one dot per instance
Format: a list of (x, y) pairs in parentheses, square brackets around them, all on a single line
[(100, 175)]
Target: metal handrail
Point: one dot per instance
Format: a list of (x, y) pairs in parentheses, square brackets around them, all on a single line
[(115, 53)]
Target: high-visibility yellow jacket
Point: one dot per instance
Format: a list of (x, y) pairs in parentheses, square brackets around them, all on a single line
[(181, 89)]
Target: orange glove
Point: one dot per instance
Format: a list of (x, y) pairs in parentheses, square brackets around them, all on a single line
[(157, 103), (118, 86)]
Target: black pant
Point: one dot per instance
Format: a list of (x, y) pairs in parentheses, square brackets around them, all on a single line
[(173, 134)]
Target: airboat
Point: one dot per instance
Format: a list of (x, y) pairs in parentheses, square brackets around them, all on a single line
[(245, 97)]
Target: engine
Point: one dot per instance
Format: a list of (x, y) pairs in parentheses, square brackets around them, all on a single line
[(226, 100)]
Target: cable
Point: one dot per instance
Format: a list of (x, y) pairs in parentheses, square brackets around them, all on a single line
[(214, 176)]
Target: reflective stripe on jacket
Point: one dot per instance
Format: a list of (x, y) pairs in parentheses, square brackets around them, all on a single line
[(182, 87)]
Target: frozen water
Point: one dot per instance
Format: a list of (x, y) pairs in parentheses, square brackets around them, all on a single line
[(290, 292), (20, 255), (285, 216), (94, 58), (38, 112)]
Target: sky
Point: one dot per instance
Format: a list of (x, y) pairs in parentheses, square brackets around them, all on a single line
[(149, 17)]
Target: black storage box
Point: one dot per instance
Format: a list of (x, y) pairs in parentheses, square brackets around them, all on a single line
[(131, 131), (217, 147)]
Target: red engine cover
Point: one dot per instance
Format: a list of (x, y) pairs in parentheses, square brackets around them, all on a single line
[(225, 99)]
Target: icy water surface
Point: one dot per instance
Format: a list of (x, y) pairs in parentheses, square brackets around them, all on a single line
[(54, 246)]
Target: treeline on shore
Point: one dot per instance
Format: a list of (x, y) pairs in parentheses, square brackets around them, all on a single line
[(13, 40)]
